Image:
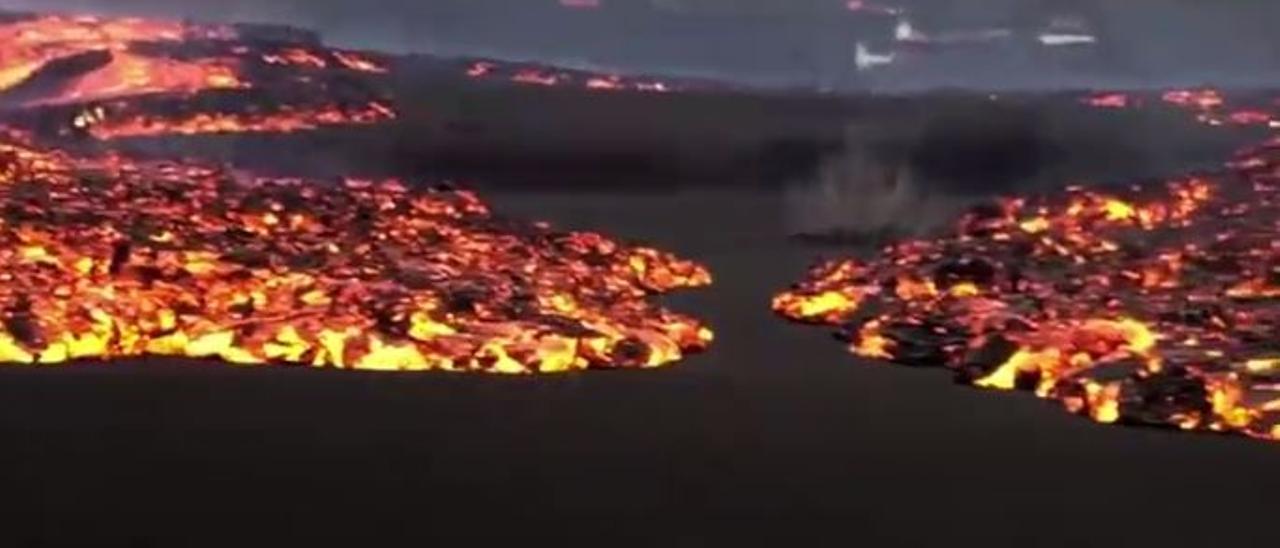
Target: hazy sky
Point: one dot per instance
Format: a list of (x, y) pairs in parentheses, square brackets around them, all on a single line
[(783, 41)]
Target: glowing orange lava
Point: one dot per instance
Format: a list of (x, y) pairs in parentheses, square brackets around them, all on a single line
[(1150, 305), (141, 59), (130, 74), (110, 258), (287, 119), (28, 45), (546, 77)]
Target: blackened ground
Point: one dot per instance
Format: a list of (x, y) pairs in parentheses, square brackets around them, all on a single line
[(774, 437), (452, 127)]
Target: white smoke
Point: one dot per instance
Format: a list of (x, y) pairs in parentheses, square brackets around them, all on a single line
[(860, 193), (865, 59)]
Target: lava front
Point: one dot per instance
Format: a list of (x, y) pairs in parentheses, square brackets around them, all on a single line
[(110, 258), (1153, 304), (106, 256)]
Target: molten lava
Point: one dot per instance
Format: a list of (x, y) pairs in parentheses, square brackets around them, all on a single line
[(548, 77), (104, 64), (130, 74), (110, 258), (1155, 304), (287, 119), (28, 44)]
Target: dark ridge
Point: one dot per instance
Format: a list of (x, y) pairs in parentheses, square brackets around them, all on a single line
[(54, 75)]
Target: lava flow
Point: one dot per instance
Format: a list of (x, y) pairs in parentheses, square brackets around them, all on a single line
[(105, 76), (534, 75), (110, 121), (1154, 304), (109, 258)]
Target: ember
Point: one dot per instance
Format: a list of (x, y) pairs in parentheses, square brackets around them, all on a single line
[(1150, 305), (112, 258)]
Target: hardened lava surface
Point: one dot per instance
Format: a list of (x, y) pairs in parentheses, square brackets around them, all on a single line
[(108, 258), (1152, 304)]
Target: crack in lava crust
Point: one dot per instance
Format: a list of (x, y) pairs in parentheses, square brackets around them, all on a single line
[(1152, 305), (109, 258)]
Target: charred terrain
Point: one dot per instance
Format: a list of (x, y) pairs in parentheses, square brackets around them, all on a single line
[(772, 434)]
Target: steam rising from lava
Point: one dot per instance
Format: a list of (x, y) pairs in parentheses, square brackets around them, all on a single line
[(1153, 304)]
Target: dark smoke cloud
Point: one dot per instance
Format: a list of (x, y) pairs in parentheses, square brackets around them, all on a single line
[(786, 42)]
